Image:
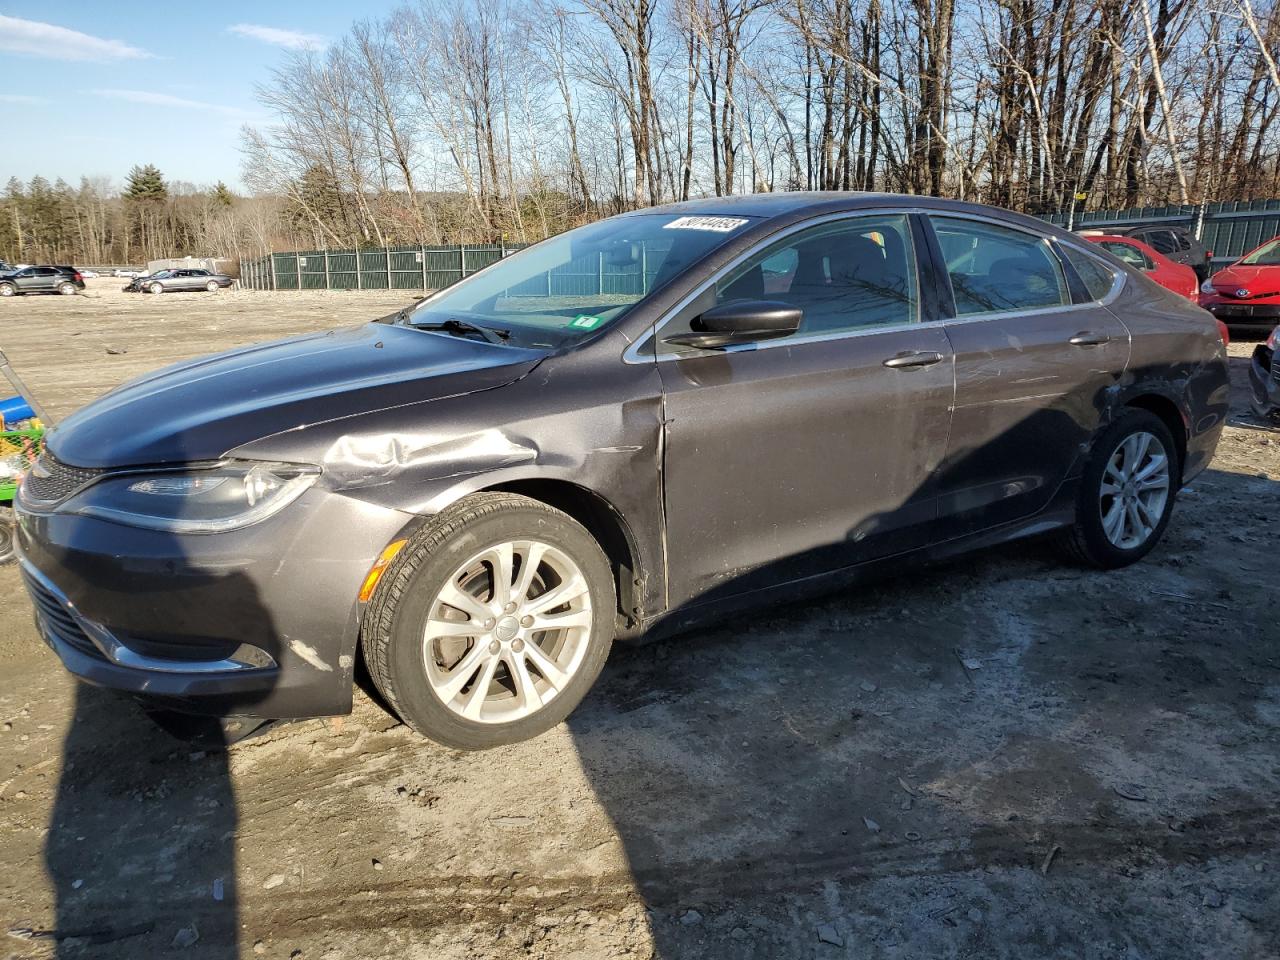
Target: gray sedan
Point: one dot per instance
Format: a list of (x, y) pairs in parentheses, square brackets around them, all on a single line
[(770, 395), (167, 280)]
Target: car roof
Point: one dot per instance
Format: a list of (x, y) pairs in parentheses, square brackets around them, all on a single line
[(801, 204)]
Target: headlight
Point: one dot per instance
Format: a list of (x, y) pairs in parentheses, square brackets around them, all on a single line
[(226, 497), (1207, 286), (1273, 341)]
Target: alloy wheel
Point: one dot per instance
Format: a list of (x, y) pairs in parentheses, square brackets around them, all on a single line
[(507, 632), (1135, 490)]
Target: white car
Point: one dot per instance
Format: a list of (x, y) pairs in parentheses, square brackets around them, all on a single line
[(89, 274)]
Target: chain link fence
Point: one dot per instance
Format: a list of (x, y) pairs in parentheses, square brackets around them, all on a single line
[(377, 268)]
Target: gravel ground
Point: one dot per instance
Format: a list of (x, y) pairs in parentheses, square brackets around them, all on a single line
[(1002, 757)]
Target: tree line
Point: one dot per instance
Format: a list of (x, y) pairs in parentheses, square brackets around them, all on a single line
[(531, 117), (450, 122), (97, 224)]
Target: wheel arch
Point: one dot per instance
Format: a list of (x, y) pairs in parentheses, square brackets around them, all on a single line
[(600, 519), (1170, 414)]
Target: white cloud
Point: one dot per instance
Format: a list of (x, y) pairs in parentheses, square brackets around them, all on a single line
[(20, 98), (153, 99), (292, 39), (58, 43)]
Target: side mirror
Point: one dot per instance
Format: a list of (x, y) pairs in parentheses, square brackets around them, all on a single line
[(740, 321)]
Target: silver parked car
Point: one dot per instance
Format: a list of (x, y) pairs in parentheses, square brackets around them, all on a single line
[(167, 280)]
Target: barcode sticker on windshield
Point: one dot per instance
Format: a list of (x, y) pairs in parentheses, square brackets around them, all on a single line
[(716, 224)]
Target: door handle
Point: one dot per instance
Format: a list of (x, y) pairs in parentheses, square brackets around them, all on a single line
[(1087, 338), (913, 358)]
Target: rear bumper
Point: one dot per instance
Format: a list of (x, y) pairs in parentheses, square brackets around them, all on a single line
[(258, 622)]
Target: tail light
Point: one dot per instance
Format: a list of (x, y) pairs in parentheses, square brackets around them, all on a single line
[(78, 277), (1224, 333)]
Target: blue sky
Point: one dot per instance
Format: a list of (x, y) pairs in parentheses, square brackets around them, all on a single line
[(91, 88)]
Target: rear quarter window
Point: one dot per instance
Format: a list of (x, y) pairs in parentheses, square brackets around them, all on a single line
[(1097, 278)]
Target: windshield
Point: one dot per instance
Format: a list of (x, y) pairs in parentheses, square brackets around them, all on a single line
[(572, 286), (1267, 255)]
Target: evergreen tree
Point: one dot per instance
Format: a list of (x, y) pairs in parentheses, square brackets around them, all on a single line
[(221, 196), (146, 183)]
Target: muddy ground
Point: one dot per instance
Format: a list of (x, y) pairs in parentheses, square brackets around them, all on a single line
[(823, 780)]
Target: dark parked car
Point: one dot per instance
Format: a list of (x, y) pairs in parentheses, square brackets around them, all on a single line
[(45, 279), (1176, 243), (1264, 377), (164, 281), (629, 428)]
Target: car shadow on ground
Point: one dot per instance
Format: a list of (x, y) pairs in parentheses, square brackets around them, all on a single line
[(164, 873), (869, 775), (141, 850)]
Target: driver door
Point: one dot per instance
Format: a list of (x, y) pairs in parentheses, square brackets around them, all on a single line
[(791, 457)]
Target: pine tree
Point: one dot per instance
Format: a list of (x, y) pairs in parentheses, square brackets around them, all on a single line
[(146, 183), (222, 196)]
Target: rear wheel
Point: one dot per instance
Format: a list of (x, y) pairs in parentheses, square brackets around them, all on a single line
[(1126, 492), (67, 289), (493, 624), (157, 288)]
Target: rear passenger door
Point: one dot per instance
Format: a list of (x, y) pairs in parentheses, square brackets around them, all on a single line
[(1035, 354)]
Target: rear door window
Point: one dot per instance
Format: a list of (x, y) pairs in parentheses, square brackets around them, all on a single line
[(996, 269), (1163, 241), (1134, 256)]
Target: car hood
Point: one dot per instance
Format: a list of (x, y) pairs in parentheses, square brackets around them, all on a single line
[(203, 408), (1260, 281)]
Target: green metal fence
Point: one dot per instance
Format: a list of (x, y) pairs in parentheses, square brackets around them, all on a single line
[(378, 268), (431, 268), (1228, 229)]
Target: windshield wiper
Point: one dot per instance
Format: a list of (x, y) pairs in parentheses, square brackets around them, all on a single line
[(461, 328)]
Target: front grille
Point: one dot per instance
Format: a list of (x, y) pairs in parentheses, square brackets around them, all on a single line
[(50, 480), (57, 619)]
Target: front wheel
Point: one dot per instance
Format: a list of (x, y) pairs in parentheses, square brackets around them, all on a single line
[(212, 286), (492, 624), (157, 288), (1126, 492), (7, 290)]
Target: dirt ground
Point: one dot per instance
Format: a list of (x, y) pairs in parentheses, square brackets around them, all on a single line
[(1002, 757)]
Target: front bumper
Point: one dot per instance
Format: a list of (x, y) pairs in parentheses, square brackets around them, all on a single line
[(257, 622), (1264, 381), (1242, 313)]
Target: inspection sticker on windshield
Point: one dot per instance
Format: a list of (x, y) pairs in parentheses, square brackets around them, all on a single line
[(715, 224), (585, 322)]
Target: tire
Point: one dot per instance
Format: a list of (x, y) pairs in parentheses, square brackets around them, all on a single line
[(212, 286), (67, 289), (1095, 539), (156, 288), (418, 676), (8, 290)]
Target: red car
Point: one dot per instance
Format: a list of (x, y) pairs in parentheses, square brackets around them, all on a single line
[(1247, 293), (1178, 277)]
